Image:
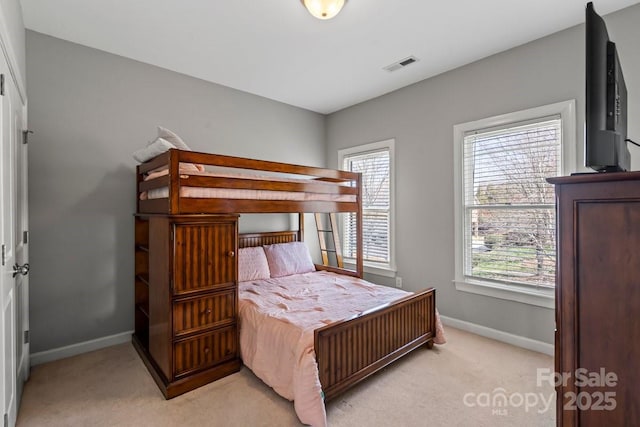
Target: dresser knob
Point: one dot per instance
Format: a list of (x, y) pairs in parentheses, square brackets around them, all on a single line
[(232, 254), (205, 312), (206, 350)]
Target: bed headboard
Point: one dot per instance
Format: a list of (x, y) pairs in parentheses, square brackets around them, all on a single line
[(246, 240)]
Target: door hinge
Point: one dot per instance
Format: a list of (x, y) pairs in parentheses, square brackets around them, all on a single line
[(3, 254), (6, 420), (26, 337), (25, 237), (25, 136), (2, 84)]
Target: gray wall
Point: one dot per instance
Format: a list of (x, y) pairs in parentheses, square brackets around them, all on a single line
[(90, 110), (421, 119)]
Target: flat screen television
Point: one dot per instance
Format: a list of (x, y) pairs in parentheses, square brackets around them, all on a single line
[(606, 100)]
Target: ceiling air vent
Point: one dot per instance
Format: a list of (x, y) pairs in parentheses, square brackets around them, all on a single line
[(401, 64)]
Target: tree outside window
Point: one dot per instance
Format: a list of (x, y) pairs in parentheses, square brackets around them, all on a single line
[(509, 206)]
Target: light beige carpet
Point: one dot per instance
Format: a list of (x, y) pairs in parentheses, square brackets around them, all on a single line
[(457, 384)]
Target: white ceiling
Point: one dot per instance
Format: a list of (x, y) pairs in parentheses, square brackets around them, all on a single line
[(275, 49)]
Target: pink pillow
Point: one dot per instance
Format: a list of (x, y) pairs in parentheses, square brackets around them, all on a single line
[(286, 259), (252, 264)]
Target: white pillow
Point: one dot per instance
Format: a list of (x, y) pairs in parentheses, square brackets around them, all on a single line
[(157, 147), (286, 259), (170, 136), (252, 264), (173, 138)]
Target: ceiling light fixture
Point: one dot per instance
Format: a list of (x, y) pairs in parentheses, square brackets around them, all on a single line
[(324, 9)]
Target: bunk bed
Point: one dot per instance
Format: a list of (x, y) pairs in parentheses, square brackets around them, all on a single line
[(185, 183)]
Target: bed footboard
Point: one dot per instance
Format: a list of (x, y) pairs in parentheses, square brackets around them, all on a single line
[(347, 352)]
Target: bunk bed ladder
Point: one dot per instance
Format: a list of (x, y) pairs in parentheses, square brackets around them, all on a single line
[(326, 227)]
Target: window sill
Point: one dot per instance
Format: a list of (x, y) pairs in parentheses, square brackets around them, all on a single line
[(371, 268), (538, 297)]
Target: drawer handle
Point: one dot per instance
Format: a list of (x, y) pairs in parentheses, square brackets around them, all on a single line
[(205, 312), (231, 254), (206, 350)]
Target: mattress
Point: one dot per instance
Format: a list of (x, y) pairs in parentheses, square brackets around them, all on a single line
[(247, 194), (277, 322)]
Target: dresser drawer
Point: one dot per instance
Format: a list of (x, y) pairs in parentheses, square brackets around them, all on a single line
[(205, 350), (197, 314)]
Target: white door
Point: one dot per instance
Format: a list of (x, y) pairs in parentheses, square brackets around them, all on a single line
[(21, 249), (13, 213)]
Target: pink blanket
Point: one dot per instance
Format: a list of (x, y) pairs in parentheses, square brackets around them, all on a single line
[(277, 321)]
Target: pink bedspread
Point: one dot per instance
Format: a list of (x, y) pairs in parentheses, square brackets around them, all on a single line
[(277, 320)]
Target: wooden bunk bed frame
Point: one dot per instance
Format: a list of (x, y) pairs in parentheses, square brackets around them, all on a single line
[(348, 351)]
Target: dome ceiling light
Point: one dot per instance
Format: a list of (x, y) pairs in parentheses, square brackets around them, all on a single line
[(324, 9)]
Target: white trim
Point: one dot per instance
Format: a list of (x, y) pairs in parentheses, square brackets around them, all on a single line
[(79, 348), (378, 270), (9, 54), (389, 144), (567, 112), (517, 340), (524, 294)]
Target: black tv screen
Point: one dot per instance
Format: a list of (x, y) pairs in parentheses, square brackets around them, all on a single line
[(606, 100)]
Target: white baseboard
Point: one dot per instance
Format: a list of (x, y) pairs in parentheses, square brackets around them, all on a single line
[(98, 343), (79, 348), (518, 341)]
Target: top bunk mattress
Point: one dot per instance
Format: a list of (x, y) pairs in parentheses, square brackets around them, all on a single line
[(199, 192)]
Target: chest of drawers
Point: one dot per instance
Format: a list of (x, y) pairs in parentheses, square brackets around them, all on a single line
[(598, 300), (186, 295)]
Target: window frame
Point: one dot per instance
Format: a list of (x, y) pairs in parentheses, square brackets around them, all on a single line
[(378, 268), (521, 293)]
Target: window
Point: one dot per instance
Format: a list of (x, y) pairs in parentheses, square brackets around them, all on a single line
[(506, 230), (375, 162)]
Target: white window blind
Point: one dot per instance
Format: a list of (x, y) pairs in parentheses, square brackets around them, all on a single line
[(509, 210), (375, 167)]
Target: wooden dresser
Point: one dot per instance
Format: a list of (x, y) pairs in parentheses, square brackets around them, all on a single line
[(186, 295), (598, 300)]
